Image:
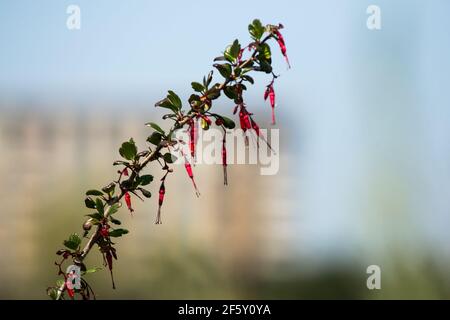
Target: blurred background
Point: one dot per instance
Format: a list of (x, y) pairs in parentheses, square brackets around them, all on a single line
[(364, 173)]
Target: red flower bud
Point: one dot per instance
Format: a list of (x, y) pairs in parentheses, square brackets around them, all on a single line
[(219, 122), (188, 167), (162, 192), (128, 201), (125, 172), (270, 93)]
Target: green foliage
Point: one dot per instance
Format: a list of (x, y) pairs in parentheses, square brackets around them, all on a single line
[(128, 150), (155, 127), (117, 233), (256, 29), (73, 242)]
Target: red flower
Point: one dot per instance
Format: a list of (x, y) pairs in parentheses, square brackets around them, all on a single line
[(162, 192), (270, 93), (128, 201), (125, 172), (188, 167), (282, 45)]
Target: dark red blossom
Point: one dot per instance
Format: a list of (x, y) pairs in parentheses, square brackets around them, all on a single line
[(162, 192), (128, 201), (282, 45), (270, 93)]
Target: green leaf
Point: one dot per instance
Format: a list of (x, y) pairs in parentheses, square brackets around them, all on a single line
[(197, 86), (208, 79), (53, 293), (156, 127), (115, 221), (224, 69), (214, 93), (265, 66), (174, 99), (230, 92), (59, 283), (73, 242), (117, 233), (232, 51), (256, 29), (145, 192), (94, 193), (128, 150), (228, 123), (264, 51), (248, 78), (166, 103), (92, 270), (145, 179), (113, 209), (155, 138), (95, 215), (169, 158), (89, 203), (109, 189), (99, 205)]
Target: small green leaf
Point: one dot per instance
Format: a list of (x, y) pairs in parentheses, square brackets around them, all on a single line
[(92, 270), (59, 283), (117, 233), (228, 123), (256, 29), (53, 293), (230, 92), (224, 69), (264, 50), (94, 193), (145, 179), (113, 209), (145, 192), (197, 86), (73, 242), (115, 221), (89, 203), (96, 216), (155, 138), (109, 189), (99, 205), (232, 51), (248, 78), (166, 103), (128, 150), (169, 158), (156, 127), (174, 99)]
